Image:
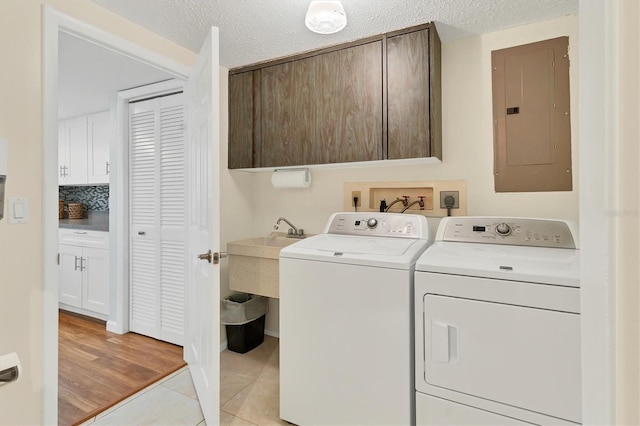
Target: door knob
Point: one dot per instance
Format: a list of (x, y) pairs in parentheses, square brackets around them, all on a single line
[(212, 257), (208, 256)]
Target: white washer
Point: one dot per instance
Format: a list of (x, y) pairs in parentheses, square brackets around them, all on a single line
[(498, 324), (346, 321)]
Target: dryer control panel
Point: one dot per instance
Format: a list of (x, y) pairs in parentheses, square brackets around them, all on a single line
[(378, 225), (508, 231)]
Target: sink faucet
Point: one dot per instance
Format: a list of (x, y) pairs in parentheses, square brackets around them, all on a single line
[(293, 232), (420, 202), (404, 200)]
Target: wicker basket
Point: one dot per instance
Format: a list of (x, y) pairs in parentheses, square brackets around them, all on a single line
[(75, 211), (60, 209)]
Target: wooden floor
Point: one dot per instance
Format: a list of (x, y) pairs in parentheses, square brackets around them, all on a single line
[(98, 369)]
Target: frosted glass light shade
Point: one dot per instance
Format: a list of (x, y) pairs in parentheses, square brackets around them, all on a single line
[(325, 17)]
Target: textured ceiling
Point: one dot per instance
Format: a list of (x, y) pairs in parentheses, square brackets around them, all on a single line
[(256, 30)]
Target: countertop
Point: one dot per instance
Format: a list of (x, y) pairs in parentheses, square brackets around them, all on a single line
[(95, 221)]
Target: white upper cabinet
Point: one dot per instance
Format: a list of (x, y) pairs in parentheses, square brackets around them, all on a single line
[(73, 151), (83, 150), (98, 147)]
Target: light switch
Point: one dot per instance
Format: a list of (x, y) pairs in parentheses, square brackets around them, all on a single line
[(18, 210)]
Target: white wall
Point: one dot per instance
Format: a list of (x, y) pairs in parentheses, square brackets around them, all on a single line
[(625, 216)]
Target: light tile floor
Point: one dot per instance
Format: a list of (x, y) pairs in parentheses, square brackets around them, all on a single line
[(249, 394)]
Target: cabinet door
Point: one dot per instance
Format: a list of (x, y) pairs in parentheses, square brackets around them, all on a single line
[(62, 152), (70, 276), (244, 120), (95, 285), (75, 140), (323, 109), (412, 113), (348, 120), (288, 111), (98, 148)]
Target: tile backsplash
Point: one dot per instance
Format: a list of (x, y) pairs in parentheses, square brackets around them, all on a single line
[(94, 198)]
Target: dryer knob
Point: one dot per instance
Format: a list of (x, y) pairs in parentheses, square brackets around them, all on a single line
[(503, 229), (372, 223)]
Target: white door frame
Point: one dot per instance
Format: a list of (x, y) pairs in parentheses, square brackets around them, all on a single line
[(53, 22)]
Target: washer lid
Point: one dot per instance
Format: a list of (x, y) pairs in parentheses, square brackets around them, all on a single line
[(515, 263), (396, 253)]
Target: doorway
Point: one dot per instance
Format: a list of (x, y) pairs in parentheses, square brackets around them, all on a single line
[(56, 23)]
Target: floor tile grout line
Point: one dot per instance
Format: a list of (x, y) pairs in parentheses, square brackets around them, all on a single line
[(239, 417), (237, 393)]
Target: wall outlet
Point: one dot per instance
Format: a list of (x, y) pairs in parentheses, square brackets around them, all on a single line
[(356, 194), (454, 194)]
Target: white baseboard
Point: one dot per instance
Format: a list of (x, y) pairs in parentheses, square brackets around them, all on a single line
[(113, 327), (223, 346), (272, 333), (84, 312)]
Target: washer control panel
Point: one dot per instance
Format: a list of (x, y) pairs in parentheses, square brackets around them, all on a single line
[(509, 231), (378, 225)]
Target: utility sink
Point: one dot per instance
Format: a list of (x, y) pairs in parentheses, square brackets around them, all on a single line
[(253, 264)]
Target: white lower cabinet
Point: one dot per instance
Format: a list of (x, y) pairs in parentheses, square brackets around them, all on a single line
[(84, 272)]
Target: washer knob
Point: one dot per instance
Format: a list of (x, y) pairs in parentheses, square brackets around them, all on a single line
[(503, 229), (372, 223)]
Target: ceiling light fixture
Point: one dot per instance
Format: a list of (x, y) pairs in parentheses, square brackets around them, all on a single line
[(325, 17)]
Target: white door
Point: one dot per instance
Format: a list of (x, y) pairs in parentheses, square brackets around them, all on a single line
[(203, 182), (158, 221), (516, 355)]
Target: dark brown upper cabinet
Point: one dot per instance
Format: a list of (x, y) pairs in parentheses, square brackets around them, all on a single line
[(414, 95), (367, 100), (532, 120)]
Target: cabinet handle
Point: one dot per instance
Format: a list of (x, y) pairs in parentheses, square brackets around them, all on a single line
[(75, 267), (80, 232), (82, 265), (142, 233), (106, 167)]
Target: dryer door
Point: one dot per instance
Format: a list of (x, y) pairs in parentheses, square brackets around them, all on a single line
[(515, 355)]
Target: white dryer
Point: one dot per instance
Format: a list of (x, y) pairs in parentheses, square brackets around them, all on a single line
[(498, 324), (346, 321)]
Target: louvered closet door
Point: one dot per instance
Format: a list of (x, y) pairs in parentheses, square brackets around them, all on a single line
[(157, 202)]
